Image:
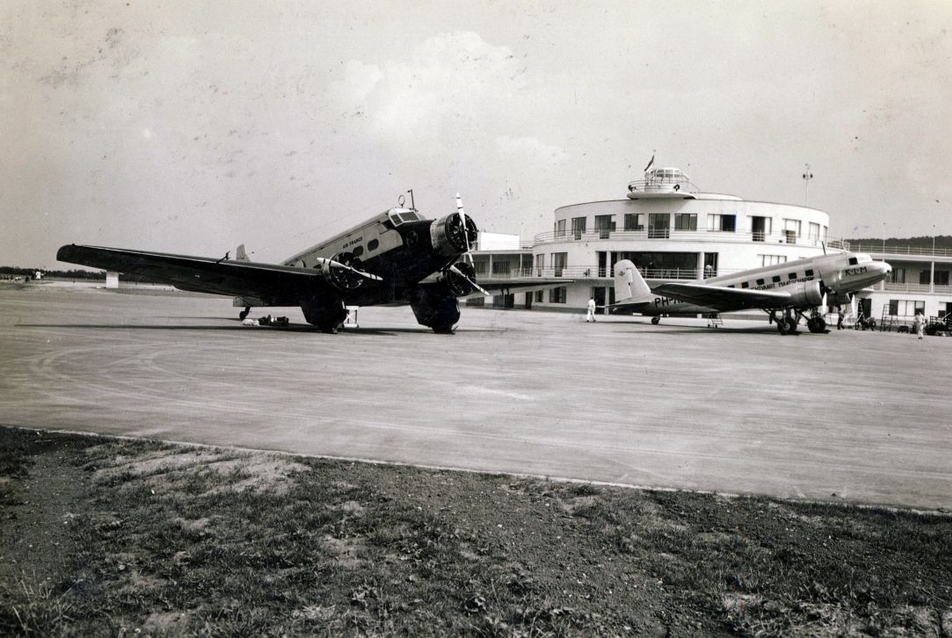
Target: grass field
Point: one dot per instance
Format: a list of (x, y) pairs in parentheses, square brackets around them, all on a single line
[(105, 536)]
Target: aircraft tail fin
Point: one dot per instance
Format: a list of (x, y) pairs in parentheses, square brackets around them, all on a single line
[(240, 254), (630, 286)]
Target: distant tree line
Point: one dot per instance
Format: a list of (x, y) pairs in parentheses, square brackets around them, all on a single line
[(9, 272)]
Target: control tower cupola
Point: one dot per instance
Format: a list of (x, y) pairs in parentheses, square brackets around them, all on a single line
[(663, 183)]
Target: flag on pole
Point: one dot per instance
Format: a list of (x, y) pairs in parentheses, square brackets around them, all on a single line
[(650, 164)]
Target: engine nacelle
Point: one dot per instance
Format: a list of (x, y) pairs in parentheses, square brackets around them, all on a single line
[(436, 308), (806, 294), (453, 235)]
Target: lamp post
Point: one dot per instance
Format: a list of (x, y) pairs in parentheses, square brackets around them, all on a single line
[(807, 176)]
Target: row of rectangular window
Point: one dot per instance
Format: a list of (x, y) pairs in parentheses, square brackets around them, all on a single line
[(660, 223)]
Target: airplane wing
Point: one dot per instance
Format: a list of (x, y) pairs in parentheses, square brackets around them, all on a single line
[(513, 285), (723, 299), (273, 284)]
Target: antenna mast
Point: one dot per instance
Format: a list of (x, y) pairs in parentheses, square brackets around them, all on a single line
[(807, 176)]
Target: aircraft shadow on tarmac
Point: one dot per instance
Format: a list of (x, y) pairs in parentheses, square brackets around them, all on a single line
[(295, 328), (674, 329)]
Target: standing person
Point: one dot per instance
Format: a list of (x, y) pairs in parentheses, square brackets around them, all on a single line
[(839, 317), (919, 323), (590, 317)]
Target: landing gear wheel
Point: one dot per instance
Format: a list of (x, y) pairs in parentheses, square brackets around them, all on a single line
[(816, 324), (655, 321), (785, 326)]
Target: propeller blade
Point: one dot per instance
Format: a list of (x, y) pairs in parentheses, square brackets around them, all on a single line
[(462, 214), (361, 273), (336, 268), (472, 283)]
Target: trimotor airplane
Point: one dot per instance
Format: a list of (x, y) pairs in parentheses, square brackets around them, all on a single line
[(793, 287), (397, 257)]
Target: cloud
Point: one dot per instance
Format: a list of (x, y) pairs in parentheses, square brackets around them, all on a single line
[(445, 93), (529, 149)]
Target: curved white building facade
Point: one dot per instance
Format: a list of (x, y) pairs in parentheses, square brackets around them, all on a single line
[(670, 230)]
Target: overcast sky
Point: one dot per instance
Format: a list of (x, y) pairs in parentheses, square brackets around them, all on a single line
[(191, 127)]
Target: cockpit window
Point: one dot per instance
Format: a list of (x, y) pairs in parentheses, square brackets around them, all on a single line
[(852, 261), (399, 216)]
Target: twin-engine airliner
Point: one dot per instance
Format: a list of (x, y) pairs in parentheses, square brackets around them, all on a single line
[(793, 288), (397, 257)]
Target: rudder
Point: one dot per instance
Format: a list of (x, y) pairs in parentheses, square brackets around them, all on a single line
[(630, 286)]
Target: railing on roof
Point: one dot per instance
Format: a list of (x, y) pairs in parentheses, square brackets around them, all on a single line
[(919, 251)]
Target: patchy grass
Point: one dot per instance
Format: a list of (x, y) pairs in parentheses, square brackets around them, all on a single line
[(105, 536)]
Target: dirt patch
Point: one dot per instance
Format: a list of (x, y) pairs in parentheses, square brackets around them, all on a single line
[(105, 536)]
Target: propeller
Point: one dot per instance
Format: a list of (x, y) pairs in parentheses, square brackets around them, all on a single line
[(462, 283), (461, 276), (345, 275)]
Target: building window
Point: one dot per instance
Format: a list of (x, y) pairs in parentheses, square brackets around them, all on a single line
[(539, 264), (604, 226), (722, 223), (634, 221), (791, 230), (558, 295), (685, 221), (659, 225), (501, 267), (578, 227), (814, 232), (560, 228), (760, 227), (898, 276), (906, 307), (772, 260), (941, 278), (559, 262), (539, 295), (924, 277)]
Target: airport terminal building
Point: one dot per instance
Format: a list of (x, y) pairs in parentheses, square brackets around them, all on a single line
[(669, 228), (672, 230)]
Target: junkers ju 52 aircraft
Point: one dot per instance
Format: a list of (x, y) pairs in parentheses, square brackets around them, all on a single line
[(792, 288), (397, 257)]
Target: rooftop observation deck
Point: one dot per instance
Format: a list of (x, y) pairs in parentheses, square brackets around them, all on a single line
[(663, 183)]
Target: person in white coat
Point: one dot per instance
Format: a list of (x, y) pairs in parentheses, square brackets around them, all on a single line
[(591, 310), (919, 324)]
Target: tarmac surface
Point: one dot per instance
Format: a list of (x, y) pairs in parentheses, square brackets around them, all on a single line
[(856, 416)]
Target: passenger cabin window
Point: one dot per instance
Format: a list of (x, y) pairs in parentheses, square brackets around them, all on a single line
[(358, 251), (852, 261), (809, 272), (775, 279), (373, 244), (744, 284), (792, 276), (760, 282)]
